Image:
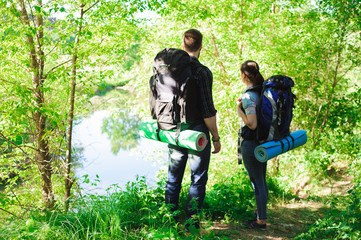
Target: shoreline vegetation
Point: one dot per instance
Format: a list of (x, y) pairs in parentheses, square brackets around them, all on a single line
[(138, 212)]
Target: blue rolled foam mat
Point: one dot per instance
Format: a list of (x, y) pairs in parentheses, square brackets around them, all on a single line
[(272, 149), (187, 138)]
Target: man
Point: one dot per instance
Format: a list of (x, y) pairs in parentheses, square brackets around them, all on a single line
[(198, 161)]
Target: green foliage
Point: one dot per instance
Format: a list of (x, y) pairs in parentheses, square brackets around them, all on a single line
[(339, 224), (131, 209), (316, 43), (229, 199), (137, 212), (108, 44)]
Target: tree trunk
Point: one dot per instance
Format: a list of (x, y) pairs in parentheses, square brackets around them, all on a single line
[(44, 159), (224, 75), (37, 61), (331, 95), (69, 179)]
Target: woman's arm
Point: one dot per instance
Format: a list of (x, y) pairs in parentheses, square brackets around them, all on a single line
[(250, 120)]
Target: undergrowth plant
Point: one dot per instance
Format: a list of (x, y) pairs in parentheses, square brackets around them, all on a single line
[(137, 212), (339, 224)]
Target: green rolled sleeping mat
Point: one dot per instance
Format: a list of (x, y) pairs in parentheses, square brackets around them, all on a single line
[(187, 138)]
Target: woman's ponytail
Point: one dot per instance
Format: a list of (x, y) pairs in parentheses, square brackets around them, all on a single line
[(251, 70)]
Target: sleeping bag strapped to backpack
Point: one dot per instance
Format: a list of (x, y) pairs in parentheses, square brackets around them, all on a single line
[(275, 110), (173, 98)]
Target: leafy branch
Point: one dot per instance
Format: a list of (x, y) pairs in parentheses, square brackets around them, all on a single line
[(17, 146), (57, 66), (86, 10), (13, 214)]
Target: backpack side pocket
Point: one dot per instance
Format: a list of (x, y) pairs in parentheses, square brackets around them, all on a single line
[(164, 113)]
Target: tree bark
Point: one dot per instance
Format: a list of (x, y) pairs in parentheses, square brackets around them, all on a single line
[(69, 179), (224, 76), (37, 62)]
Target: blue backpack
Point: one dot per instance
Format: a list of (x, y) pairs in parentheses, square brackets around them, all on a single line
[(275, 110)]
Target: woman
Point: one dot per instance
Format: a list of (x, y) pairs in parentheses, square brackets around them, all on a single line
[(246, 109)]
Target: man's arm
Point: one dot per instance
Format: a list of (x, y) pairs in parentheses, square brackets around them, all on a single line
[(207, 107), (211, 124)]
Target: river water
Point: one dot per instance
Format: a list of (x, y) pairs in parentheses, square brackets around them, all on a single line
[(110, 152)]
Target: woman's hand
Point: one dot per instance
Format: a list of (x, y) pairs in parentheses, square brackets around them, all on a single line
[(239, 102)]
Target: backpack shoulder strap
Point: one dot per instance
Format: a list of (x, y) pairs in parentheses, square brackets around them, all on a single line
[(152, 97), (196, 68), (258, 89)]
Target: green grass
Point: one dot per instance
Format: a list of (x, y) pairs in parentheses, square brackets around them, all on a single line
[(138, 212), (117, 215)]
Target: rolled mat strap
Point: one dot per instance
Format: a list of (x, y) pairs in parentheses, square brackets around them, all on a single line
[(158, 137), (272, 149), (177, 133), (293, 142), (187, 138)]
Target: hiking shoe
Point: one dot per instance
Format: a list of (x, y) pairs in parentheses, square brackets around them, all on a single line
[(254, 224), (191, 226), (255, 214)]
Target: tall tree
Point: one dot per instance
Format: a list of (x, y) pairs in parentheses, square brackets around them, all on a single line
[(34, 25), (52, 57), (69, 179)]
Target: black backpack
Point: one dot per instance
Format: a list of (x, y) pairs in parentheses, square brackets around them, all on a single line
[(173, 97)]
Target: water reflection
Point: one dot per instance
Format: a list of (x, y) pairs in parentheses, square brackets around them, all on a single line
[(113, 150), (122, 128)]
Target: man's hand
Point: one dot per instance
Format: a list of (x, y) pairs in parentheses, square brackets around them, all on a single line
[(217, 146), (211, 124)]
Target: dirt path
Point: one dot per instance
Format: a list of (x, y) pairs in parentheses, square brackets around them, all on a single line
[(287, 220)]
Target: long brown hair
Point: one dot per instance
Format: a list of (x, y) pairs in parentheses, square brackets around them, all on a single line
[(251, 70)]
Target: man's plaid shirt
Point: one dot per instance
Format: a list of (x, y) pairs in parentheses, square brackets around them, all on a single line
[(204, 82)]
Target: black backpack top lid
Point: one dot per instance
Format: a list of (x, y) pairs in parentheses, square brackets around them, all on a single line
[(172, 67), (171, 61), (279, 81)]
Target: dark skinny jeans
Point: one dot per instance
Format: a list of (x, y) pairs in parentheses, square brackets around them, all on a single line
[(257, 174), (199, 163)]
